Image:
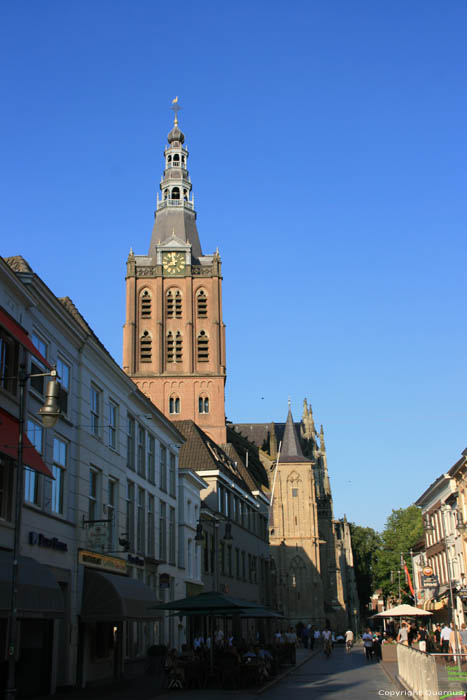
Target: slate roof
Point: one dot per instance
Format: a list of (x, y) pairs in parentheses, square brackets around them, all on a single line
[(258, 433), (241, 446), (200, 453), (291, 450)]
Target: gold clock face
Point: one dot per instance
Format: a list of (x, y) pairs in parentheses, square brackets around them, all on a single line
[(173, 263)]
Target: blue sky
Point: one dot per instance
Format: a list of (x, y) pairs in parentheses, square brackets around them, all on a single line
[(327, 153)]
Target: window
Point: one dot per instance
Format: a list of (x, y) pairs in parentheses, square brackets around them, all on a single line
[(237, 563), (203, 404), (178, 347), (162, 532), (140, 528), (31, 486), (141, 451), (189, 558), (203, 347), (222, 557), (172, 474), (295, 493), (170, 347), (220, 498), (229, 560), (206, 554), (174, 404), (6, 487), (172, 542), (151, 526), (63, 371), (174, 303), (146, 304), (130, 514), (60, 456), (201, 304), (130, 456), (243, 567), (151, 462), (112, 500), (37, 383), (145, 347), (163, 474), (8, 362), (96, 398), (93, 491), (113, 424)]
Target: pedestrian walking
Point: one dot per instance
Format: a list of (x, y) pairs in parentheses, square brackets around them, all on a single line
[(367, 638), (445, 635)]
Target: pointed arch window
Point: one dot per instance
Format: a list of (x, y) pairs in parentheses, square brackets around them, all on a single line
[(145, 347), (203, 404), (174, 303), (170, 347), (178, 347), (202, 347), (146, 304), (201, 304), (174, 404)]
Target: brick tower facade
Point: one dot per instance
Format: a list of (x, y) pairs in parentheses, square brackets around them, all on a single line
[(174, 335)]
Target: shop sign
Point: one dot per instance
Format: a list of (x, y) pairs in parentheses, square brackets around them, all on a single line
[(427, 571), (135, 561), (102, 561), (430, 582), (37, 538)]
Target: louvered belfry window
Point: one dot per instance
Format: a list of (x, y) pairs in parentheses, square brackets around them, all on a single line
[(146, 304), (170, 307), (170, 347), (146, 347), (202, 304), (203, 347), (178, 347), (178, 304)]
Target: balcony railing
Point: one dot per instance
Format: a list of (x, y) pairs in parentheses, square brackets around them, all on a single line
[(175, 203)]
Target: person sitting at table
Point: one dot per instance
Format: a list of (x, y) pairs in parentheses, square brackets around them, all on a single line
[(249, 654)]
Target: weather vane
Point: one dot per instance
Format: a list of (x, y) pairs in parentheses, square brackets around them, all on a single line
[(175, 108)]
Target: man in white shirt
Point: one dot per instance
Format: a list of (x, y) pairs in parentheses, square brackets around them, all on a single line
[(348, 639), (445, 636)]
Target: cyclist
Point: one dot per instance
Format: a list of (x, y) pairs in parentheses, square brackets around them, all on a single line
[(349, 640), (326, 636)]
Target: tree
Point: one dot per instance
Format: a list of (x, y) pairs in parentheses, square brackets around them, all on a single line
[(366, 543), (403, 529)]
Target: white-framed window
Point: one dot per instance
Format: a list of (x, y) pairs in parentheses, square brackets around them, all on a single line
[(9, 349), (93, 512), (64, 372), (141, 451), (38, 383), (163, 470), (60, 462), (112, 501), (172, 543), (151, 460), (35, 433), (130, 513), (113, 424), (151, 526), (172, 474), (96, 410), (131, 443), (162, 531), (189, 558), (140, 521)]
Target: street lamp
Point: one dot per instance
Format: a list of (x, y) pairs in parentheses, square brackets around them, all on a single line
[(50, 413)]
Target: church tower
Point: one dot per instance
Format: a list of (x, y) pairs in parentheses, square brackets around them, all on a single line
[(294, 532), (174, 336)]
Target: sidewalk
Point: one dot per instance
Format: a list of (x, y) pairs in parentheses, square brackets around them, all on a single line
[(145, 687)]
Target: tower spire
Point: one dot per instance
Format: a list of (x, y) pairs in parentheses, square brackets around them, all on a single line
[(291, 449), (175, 211)]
